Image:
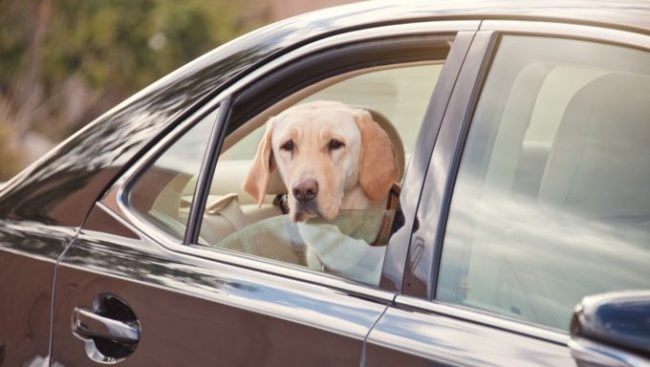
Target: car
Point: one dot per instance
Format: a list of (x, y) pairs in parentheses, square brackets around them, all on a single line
[(523, 135)]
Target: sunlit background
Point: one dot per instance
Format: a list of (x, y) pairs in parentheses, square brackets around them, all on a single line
[(64, 62)]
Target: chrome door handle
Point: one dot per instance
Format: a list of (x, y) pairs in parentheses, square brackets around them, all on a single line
[(88, 324), (109, 329)]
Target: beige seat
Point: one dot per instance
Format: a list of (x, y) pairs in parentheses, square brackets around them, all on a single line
[(598, 165)]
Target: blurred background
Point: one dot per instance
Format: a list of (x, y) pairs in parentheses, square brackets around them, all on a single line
[(65, 62)]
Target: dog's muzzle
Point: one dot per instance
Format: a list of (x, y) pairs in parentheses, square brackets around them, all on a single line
[(305, 193)]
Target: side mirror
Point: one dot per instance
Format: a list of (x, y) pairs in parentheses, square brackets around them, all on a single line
[(612, 329)]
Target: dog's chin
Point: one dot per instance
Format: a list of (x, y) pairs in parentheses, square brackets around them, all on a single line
[(305, 211), (302, 216)]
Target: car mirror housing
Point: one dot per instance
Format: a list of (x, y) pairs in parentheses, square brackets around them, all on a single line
[(612, 329)]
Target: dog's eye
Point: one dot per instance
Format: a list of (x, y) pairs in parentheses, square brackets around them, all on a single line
[(335, 144), (288, 146)]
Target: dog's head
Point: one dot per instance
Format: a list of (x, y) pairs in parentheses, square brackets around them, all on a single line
[(322, 150)]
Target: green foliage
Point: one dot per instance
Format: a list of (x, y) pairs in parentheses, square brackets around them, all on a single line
[(110, 41), (63, 62), (14, 38)]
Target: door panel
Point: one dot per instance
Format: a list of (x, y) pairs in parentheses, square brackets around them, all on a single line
[(24, 331), (198, 312), (424, 336), (28, 255)]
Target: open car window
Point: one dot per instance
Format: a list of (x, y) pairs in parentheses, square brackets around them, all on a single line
[(393, 93), (353, 244)]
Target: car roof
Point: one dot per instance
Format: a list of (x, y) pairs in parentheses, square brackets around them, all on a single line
[(287, 34), (612, 13)]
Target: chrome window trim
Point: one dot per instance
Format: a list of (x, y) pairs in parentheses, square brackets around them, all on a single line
[(485, 318), (116, 199), (583, 32)]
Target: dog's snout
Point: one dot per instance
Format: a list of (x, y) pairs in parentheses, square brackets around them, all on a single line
[(305, 190)]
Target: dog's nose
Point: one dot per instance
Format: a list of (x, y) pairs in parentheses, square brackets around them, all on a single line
[(305, 190)]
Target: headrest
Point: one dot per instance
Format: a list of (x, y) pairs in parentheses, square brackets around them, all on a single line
[(598, 165)]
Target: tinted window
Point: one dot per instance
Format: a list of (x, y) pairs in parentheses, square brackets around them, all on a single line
[(552, 200), (163, 194)]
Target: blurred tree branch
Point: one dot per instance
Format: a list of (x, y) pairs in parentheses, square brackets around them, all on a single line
[(28, 90)]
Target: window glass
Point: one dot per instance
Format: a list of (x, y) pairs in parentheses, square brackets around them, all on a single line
[(163, 194), (552, 198), (352, 245)]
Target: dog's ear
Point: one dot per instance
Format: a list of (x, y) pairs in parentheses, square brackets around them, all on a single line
[(377, 163), (259, 174)]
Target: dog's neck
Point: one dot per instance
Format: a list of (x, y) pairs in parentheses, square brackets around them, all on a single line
[(355, 198)]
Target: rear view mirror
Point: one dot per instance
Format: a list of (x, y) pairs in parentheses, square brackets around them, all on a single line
[(612, 329)]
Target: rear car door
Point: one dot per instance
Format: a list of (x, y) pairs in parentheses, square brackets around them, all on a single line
[(536, 196), (121, 296), (28, 253), (147, 281)]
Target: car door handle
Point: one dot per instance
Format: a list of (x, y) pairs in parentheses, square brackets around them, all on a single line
[(109, 329), (90, 325)]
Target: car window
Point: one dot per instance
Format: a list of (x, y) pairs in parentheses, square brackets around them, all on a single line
[(378, 94), (353, 244), (552, 198), (164, 192)]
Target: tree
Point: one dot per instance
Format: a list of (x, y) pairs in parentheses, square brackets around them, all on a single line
[(64, 62)]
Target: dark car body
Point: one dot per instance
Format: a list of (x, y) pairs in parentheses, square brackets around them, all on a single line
[(67, 246)]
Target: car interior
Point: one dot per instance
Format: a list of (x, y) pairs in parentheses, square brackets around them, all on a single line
[(568, 154)]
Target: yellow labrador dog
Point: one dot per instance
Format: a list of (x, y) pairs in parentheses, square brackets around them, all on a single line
[(330, 156)]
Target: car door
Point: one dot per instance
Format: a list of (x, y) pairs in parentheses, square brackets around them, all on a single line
[(147, 282), (536, 196), (28, 253), (121, 296)]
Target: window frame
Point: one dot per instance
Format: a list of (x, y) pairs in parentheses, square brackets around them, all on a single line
[(118, 194), (445, 162)]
